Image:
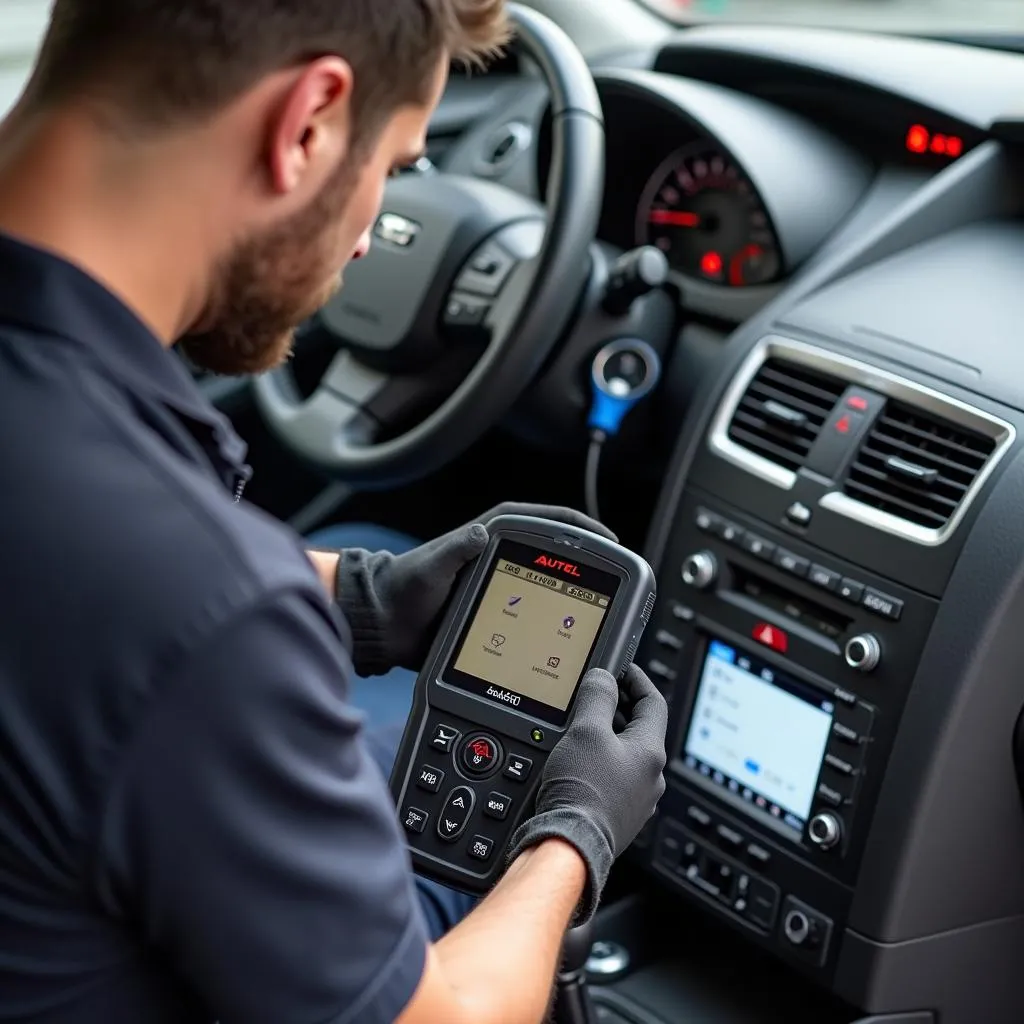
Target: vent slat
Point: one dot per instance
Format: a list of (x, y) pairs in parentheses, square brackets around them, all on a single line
[(870, 458), (759, 428), (902, 490), (953, 457), (760, 393)]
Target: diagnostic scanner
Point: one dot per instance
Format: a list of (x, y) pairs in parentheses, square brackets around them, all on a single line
[(542, 605)]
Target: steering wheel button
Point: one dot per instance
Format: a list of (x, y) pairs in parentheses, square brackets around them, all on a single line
[(479, 755), (486, 272), (465, 312)]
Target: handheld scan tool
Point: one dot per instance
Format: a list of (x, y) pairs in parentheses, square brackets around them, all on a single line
[(544, 603)]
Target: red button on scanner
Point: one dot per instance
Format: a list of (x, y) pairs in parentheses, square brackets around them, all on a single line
[(479, 755), (771, 636)]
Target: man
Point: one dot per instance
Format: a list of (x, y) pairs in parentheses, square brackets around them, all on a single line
[(191, 828)]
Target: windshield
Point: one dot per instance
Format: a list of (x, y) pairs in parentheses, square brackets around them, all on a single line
[(932, 17)]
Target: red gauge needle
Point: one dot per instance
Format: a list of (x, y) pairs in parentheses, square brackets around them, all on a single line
[(675, 218)]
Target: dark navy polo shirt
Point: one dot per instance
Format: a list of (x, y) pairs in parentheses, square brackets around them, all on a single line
[(191, 829)]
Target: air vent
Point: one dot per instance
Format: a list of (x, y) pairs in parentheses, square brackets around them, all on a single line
[(917, 467), (783, 410)]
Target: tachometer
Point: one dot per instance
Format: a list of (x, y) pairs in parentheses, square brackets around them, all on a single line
[(704, 213)]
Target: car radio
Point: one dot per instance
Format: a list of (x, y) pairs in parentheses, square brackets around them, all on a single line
[(787, 670), (544, 603)]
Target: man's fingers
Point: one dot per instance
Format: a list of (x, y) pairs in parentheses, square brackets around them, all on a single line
[(559, 514), (649, 716), (598, 697), (457, 549)]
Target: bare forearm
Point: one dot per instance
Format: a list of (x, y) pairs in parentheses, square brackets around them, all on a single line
[(326, 565), (501, 960)]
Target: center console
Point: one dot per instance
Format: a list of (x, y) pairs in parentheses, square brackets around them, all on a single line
[(809, 549)]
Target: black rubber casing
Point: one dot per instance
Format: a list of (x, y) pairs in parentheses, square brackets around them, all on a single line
[(521, 740)]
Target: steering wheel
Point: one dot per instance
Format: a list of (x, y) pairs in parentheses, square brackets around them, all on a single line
[(467, 287)]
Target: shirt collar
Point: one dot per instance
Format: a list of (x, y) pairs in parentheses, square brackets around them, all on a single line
[(44, 292)]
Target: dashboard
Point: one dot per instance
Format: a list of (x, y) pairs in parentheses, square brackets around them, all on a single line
[(837, 441)]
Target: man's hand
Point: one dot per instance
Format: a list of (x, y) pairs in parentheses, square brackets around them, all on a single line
[(599, 786), (393, 602)]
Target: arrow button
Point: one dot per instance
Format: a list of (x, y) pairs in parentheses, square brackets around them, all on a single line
[(455, 814)]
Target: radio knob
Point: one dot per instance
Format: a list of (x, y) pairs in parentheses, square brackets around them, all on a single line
[(825, 830), (700, 570), (863, 652)]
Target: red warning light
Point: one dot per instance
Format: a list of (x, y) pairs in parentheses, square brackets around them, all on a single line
[(843, 425), (711, 264), (918, 138), (858, 402)]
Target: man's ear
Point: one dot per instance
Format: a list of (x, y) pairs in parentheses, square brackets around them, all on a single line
[(310, 131)]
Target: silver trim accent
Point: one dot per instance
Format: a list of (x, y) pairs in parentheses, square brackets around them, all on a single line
[(872, 652), (856, 372)]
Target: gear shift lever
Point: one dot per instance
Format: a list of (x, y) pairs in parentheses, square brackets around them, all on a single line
[(572, 997)]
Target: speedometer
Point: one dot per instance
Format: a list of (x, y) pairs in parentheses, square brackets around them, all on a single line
[(704, 213)]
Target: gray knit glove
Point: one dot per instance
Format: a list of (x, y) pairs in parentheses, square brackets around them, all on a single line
[(599, 786), (393, 603)]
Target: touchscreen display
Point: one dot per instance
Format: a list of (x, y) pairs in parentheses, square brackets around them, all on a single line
[(758, 737), (532, 631)]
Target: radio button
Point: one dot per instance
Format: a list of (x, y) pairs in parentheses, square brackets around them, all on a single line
[(659, 670), (844, 696), (759, 854), (451, 823), (707, 521), (518, 768), (845, 733), (762, 903), (758, 547), (793, 564), (827, 579), (479, 755), (497, 806), (698, 816), (851, 590), (839, 765), (882, 604), (429, 778), (669, 640), (683, 613), (729, 532), (830, 796), (729, 837)]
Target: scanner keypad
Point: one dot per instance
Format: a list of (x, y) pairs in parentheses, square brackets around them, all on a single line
[(467, 793)]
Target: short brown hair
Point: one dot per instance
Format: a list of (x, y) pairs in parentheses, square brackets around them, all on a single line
[(162, 62)]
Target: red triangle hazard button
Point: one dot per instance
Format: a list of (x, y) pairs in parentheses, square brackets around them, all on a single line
[(771, 636)]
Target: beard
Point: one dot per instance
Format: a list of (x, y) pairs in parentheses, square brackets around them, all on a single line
[(271, 283)]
